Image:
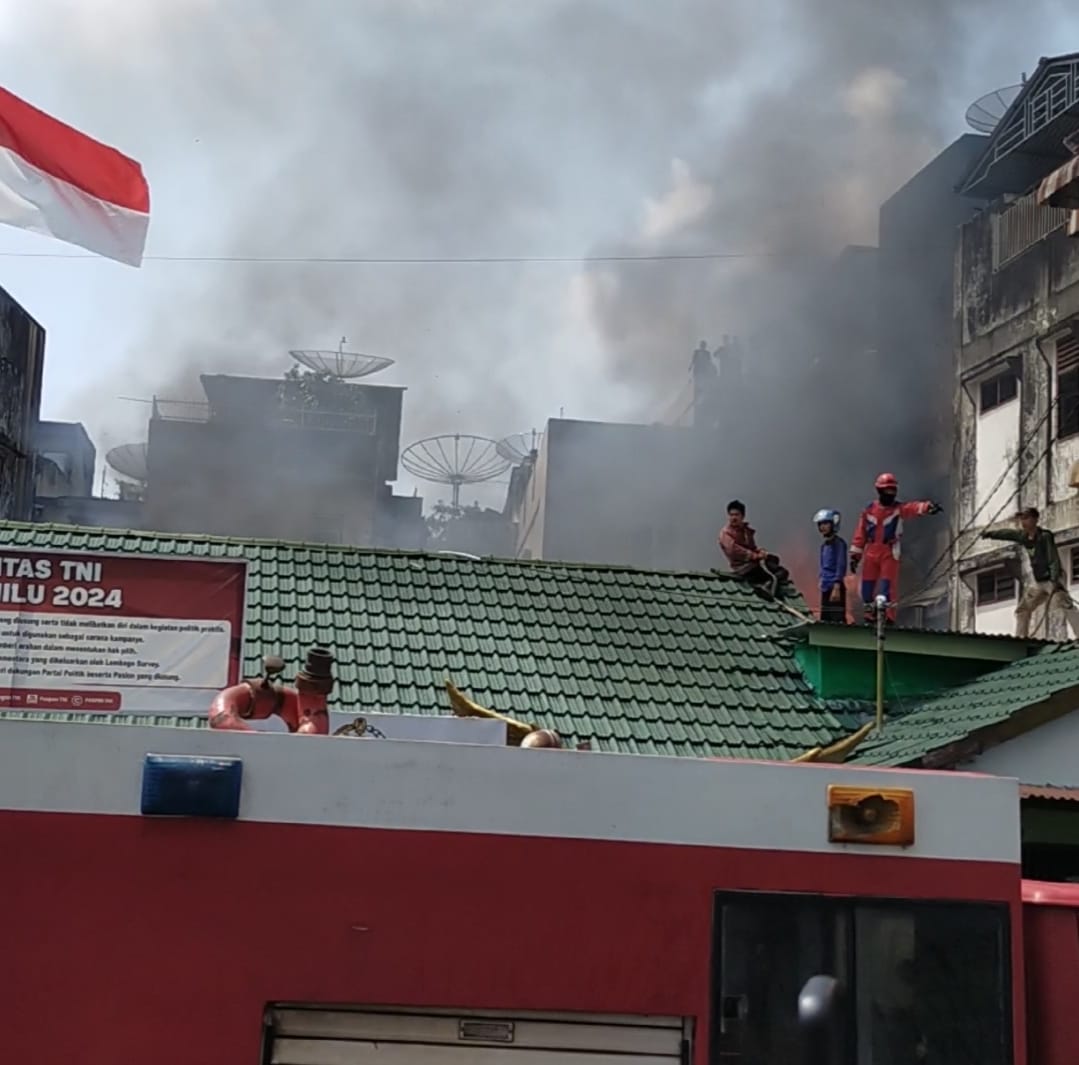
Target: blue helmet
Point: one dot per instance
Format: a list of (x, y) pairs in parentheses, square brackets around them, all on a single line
[(827, 515)]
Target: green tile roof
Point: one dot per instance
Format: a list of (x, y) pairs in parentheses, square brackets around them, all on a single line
[(671, 663), (991, 700)]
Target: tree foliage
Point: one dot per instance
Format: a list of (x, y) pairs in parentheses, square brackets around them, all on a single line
[(445, 519), (317, 390)]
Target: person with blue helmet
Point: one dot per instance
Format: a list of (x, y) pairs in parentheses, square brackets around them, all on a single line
[(833, 567)]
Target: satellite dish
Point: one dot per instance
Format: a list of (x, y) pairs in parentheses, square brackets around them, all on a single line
[(517, 447), (984, 114), (128, 460), (454, 459), (341, 363)]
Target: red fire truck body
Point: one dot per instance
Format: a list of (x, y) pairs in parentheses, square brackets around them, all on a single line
[(446, 904)]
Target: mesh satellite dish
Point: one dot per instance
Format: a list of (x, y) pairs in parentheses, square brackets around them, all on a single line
[(341, 363), (984, 114), (517, 447), (455, 459), (129, 461)]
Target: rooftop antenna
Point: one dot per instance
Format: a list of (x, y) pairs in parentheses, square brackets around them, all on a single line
[(986, 112), (518, 446), (341, 363), (455, 459)]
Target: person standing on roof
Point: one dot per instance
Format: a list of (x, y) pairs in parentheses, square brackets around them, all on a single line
[(1048, 585), (738, 541), (878, 538), (833, 567)]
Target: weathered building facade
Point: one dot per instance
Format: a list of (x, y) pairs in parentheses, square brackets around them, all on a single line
[(1016, 332), (22, 359), (299, 459)]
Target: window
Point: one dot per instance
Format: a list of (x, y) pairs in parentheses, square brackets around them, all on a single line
[(60, 459), (1074, 555), (1067, 387), (926, 980), (994, 586), (998, 390)]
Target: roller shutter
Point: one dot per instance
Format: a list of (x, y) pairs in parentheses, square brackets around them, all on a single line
[(298, 1035)]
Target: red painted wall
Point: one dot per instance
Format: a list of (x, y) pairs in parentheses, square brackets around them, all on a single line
[(128, 941), (1052, 971)]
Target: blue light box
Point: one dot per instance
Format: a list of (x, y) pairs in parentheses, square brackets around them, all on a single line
[(191, 786)]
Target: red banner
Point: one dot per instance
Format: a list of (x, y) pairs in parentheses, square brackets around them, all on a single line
[(112, 632)]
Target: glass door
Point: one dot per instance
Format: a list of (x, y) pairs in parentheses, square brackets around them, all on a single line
[(769, 946), (921, 981)]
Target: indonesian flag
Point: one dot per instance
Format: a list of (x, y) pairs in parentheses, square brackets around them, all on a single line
[(57, 181)]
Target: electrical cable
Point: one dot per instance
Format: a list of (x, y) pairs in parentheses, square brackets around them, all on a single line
[(947, 552), (344, 260), (1034, 467)]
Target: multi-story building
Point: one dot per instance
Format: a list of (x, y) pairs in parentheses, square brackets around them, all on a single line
[(917, 238), (1016, 329), (632, 495), (294, 459), (66, 457), (22, 359), (64, 483)]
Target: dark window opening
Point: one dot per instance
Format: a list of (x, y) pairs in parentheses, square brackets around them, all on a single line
[(998, 390), (994, 586), (1067, 388), (1074, 553), (926, 981)]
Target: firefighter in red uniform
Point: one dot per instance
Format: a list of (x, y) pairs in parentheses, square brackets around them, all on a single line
[(878, 538)]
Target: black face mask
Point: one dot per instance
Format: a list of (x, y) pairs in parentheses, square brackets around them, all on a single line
[(886, 496)]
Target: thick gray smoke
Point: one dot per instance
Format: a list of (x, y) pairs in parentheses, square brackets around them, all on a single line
[(845, 355), (426, 129)]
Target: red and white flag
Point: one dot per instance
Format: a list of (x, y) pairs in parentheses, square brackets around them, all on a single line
[(57, 181)]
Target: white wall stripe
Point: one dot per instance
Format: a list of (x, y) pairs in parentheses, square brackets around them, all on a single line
[(68, 768)]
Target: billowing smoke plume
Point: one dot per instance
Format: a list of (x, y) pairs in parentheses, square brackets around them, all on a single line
[(844, 354), (455, 128)]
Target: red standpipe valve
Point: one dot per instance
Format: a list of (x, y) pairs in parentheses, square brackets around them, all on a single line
[(302, 708)]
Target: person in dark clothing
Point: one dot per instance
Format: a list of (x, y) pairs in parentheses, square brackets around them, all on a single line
[(738, 541), (833, 567), (1048, 587)]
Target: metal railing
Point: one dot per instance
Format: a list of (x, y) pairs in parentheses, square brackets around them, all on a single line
[(180, 410), (1021, 225), (1058, 92), (293, 415)]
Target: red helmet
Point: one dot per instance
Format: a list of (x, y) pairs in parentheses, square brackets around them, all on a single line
[(886, 480)]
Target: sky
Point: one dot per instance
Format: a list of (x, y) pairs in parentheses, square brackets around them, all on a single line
[(459, 128)]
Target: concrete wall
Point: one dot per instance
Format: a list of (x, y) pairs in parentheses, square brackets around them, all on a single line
[(1044, 756), (66, 460), (918, 231), (1016, 294), (224, 480), (90, 510), (22, 357), (532, 506), (636, 495), (252, 468), (998, 618), (996, 475)]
